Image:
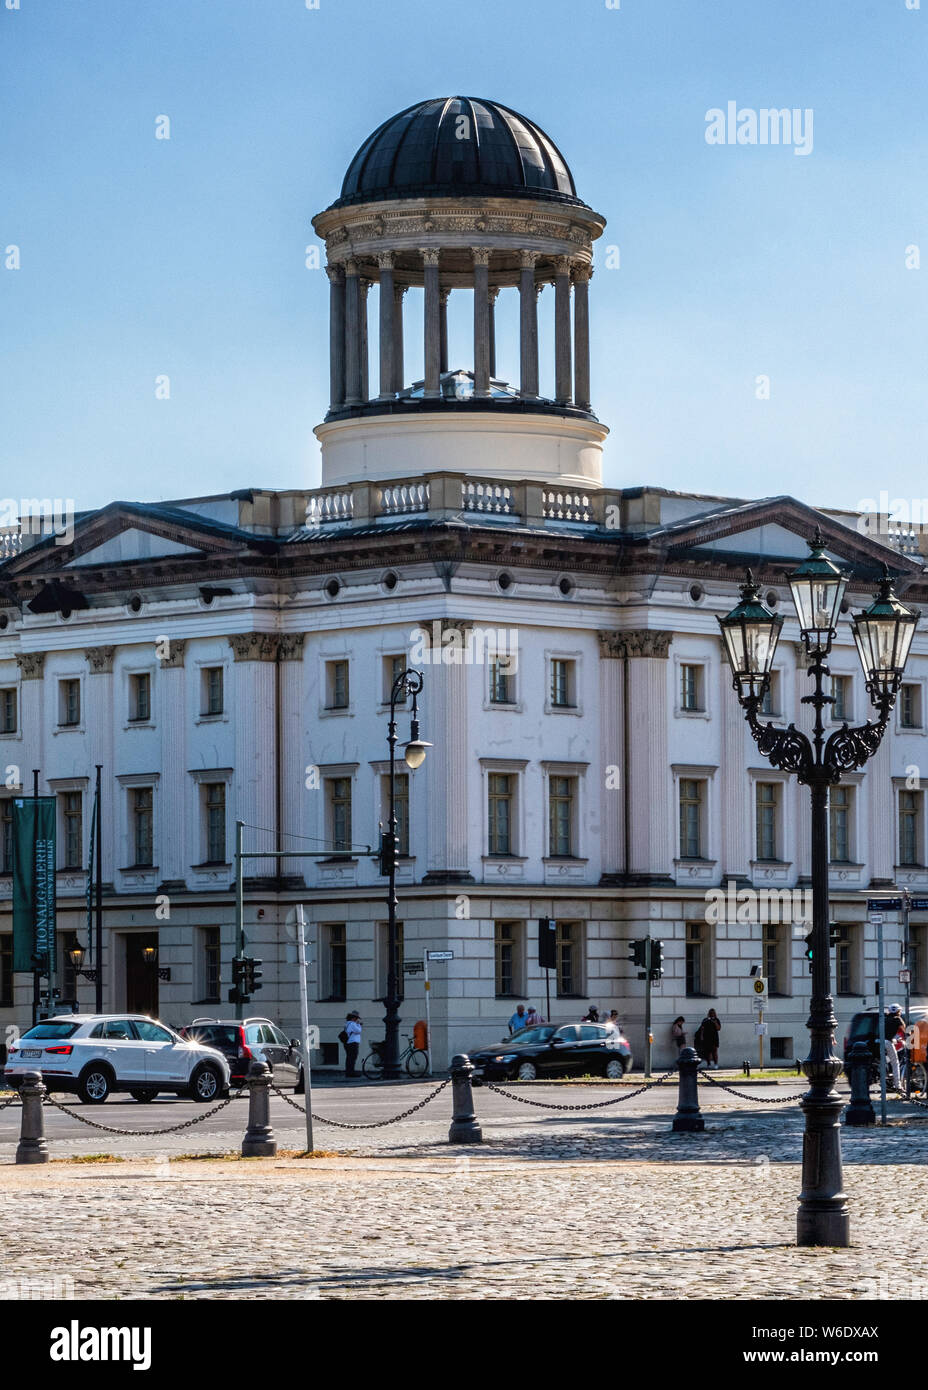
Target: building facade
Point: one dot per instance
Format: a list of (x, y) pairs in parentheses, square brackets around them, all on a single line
[(230, 658)]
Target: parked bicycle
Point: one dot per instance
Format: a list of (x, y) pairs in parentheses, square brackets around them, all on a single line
[(416, 1060)]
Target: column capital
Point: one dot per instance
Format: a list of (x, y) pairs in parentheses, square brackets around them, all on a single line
[(31, 665), (528, 259), (481, 255), (254, 646), (290, 646), (562, 265), (444, 294), (635, 642), (386, 260), (582, 272), (430, 255), (399, 290), (100, 659), (336, 273), (175, 650), (352, 267), (493, 293), (364, 285)]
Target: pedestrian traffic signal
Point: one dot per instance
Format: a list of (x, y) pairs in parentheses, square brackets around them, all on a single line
[(638, 952), (657, 960)]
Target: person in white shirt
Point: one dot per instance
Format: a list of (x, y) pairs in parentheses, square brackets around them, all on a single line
[(353, 1043)]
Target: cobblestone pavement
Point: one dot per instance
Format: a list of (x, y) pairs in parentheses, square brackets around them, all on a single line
[(556, 1206)]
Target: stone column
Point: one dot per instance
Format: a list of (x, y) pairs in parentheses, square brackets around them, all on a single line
[(432, 324), (650, 785), (737, 755), (336, 276), (363, 288), (443, 308), (528, 322), (174, 854), (293, 790), (387, 332), (562, 383), (254, 790), (352, 335), (99, 723), (491, 314), (481, 321), (612, 785), (582, 273), (444, 696), (398, 369)]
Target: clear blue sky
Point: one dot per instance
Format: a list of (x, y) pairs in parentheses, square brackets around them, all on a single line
[(185, 257)]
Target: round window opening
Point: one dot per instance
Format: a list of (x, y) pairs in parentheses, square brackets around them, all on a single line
[(332, 588), (4, 622), (135, 604), (697, 592), (566, 586), (772, 598), (390, 581), (505, 582)]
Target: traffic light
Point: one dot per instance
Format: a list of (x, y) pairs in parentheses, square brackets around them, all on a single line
[(809, 949), (638, 954), (387, 852), (657, 960), (253, 974), (238, 994), (835, 933)]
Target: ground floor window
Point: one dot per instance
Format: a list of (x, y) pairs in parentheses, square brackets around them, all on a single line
[(383, 957), (697, 959), (569, 959), (333, 961), (509, 941)]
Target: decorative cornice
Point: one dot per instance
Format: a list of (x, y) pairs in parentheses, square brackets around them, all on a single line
[(254, 646), (31, 665), (641, 642), (174, 656), (290, 646), (100, 659)]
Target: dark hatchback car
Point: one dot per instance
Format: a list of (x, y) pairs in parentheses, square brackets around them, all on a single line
[(242, 1041), (574, 1049)]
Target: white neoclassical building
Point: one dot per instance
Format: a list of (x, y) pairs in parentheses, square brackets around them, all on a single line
[(229, 658)]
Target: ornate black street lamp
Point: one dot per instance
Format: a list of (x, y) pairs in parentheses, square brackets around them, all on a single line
[(408, 683), (76, 955), (883, 634)]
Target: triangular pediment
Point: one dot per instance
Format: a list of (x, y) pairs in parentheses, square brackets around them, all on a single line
[(132, 545)]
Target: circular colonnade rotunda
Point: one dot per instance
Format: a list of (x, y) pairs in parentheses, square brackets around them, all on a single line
[(458, 194)]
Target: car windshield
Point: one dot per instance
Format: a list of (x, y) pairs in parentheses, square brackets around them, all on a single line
[(531, 1035), (43, 1031), (863, 1026)]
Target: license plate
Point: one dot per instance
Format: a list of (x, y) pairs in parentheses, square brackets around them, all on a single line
[(31, 1052)]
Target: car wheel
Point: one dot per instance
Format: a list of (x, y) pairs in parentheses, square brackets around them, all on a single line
[(144, 1095), (94, 1084), (527, 1071), (205, 1084), (920, 1078), (615, 1068)]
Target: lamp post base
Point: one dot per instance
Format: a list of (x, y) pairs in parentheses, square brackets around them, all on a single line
[(823, 1217)]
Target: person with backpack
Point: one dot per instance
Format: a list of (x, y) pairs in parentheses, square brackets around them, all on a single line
[(350, 1039)]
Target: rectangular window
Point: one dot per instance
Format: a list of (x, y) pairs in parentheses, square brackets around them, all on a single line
[(210, 964), (6, 970), (402, 809), (691, 687), (840, 804), (139, 697), (563, 694), (6, 835), (142, 825), (340, 814), (212, 690), (508, 941), (841, 690), (336, 685), (780, 1049), (775, 958), (69, 703), (691, 808), (569, 948), (73, 828), (502, 683), (910, 827), (767, 803), (500, 813), (393, 668), (910, 706), (560, 816), (383, 957), (8, 711), (215, 797), (918, 957), (845, 980), (697, 963), (333, 965), (770, 704)]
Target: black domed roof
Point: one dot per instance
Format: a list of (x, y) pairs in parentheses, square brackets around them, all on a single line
[(457, 147)]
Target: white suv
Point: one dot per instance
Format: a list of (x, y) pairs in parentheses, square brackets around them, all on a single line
[(96, 1054)]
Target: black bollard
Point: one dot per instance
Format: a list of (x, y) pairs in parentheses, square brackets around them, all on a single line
[(860, 1110), (32, 1147), (464, 1127), (259, 1140), (688, 1119)]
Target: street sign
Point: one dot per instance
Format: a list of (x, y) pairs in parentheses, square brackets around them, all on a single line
[(760, 1030), (918, 904), (413, 967), (439, 955), (905, 977), (876, 918), (760, 986), (758, 1005), (884, 904)]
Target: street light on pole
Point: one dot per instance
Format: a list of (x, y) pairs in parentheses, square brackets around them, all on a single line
[(409, 682), (883, 634)]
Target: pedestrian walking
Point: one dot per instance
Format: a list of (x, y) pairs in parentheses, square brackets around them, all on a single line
[(350, 1039), (533, 1017), (519, 1019), (707, 1040), (678, 1032), (893, 1024)]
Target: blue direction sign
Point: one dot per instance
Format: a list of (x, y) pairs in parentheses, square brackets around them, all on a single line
[(884, 904), (919, 904)]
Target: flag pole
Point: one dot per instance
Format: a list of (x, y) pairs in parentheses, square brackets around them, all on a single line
[(99, 933), (36, 974)]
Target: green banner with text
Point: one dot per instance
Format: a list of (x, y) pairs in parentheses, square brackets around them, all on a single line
[(33, 881)]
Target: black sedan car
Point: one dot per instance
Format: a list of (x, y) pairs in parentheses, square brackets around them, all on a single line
[(574, 1049)]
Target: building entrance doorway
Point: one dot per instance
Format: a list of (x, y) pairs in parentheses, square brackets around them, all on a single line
[(141, 975)]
